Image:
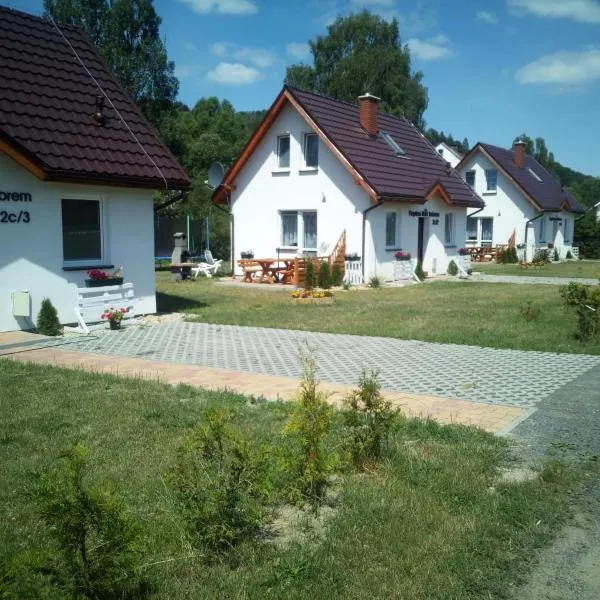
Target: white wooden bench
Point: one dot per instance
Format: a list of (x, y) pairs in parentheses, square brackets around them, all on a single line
[(92, 302)]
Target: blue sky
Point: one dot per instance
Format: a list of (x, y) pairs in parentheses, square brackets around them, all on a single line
[(494, 68)]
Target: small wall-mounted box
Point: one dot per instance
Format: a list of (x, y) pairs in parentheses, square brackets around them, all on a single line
[(21, 304)]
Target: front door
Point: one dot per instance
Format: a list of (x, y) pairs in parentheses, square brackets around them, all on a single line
[(420, 237)]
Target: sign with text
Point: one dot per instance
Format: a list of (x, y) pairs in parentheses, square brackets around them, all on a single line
[(423, 213), (15, 216)]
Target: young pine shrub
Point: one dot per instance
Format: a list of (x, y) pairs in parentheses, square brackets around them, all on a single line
[(556, 255), (374, 282), (309, 275), (222, 485), (98, 542), (47, 319), (419, 271), (452, 268), (325, 276), (510, 255), (309, 423), (337, 275), (586, 302), (569, 255), (368, 419)]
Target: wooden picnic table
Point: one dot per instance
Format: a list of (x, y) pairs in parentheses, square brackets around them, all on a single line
[(269, 269)]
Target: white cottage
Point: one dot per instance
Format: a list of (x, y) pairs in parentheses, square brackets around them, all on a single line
[(78, 166), (523, 201), (317, 167)]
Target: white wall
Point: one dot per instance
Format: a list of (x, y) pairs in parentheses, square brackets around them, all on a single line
[(447, 155), (31, 254), (262, 192), (380, 260)]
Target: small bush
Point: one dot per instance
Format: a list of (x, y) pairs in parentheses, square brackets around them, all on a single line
[(374, 282), (508, 256), (309, 423), (530, 311), (586, 302), (419, 271), (309, 275), (541, 256), (368, 419), (556, 255), (452, 268), (222, 485), (324, 275), (346, 286), (47, 319), (569, 255), (98, 542), (337, 275)]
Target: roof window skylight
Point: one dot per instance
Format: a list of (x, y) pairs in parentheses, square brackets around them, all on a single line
[(534, 174), (393, 144)]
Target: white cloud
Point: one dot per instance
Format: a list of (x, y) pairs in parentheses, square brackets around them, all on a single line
[(184, 71), (234, 74), (563, 68), (224, 7), (487, 17), (260, 57), (298, 50), (584, 11), (432, 49)]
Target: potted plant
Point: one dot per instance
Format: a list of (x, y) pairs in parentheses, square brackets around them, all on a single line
[(98, 278), (352, 257), (402, 255), (114, 317), (463, 252), (247, 254)]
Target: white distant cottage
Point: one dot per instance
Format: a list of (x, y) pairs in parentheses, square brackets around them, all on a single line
[(523, 201), (317, 168)]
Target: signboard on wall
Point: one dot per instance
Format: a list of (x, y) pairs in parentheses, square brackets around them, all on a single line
[(14, 216)]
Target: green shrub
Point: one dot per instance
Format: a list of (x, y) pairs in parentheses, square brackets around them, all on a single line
[(346, 286), (309, 275), (510, 256), (374, 282), (368, 419), (541, 256), (98, 542), (419, 271), (556, 255), (222, 485), (47, 319), (569, 255), (324, 275), (337, 275), (452, 268), (309, 423), (586, 302), (530, 311)]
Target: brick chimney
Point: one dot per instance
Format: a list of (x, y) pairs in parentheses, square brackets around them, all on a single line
[(368, 113), (519, 150)]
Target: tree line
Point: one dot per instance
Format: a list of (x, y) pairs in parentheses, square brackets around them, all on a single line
[(359, 52)]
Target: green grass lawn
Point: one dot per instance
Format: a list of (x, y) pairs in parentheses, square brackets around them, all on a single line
[(587, 269), (433, 522), (448, 312)]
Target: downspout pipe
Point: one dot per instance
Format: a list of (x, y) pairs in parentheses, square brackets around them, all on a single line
[(527, 225), (228, 212), (364, 227)]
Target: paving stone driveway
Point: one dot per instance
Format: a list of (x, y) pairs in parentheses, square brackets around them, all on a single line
[(454, 371)]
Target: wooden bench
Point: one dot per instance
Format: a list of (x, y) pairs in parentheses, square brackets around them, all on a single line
[(249, 268)]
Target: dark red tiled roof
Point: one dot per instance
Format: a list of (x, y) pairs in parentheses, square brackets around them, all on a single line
[(408, 177), (547, 193), (46, 106)]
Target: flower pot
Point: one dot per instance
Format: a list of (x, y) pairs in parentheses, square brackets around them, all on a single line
[(91, 283), (401, 258), (114, 325)]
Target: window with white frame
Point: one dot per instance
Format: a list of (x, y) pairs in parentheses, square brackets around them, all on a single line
[(449, 229), (82, 230), (566, 234), (299, 226), (472, 228), (311, 150), (487, 231), (391, 227), (542, 230), (470, 178), (283, 152), (491, 180)]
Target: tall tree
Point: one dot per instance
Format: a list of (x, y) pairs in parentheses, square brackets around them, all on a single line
[(126, 32), (538, 149), (362, 53)]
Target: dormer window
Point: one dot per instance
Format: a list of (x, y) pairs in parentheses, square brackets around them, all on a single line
[(392, 143), (283, 151), (311, 150)]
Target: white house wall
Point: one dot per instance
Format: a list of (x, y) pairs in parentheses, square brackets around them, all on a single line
[(262, 192), (447, 155), (31, 254)]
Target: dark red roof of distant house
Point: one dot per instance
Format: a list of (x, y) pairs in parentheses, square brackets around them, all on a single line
[(410, 177), (548, 193), (46, 107)]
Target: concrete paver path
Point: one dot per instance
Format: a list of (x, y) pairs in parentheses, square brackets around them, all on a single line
[(528, 279)]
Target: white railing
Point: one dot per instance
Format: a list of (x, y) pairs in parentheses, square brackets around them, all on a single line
[(353, 272)]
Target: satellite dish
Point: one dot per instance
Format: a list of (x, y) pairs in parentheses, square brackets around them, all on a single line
[(216, 172)]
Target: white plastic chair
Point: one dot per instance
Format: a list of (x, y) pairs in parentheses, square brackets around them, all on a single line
[(214, 264), (203, 268)]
